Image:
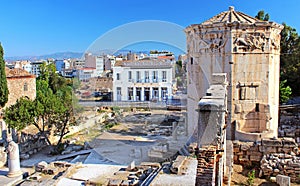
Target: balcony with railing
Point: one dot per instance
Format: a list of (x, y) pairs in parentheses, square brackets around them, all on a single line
[(158, 80)]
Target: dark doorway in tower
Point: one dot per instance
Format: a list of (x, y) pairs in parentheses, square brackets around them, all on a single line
[(147, 94)]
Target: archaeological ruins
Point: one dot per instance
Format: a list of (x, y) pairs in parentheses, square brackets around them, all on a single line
[(232, 117)]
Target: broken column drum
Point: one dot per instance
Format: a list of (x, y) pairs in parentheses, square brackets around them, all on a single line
[(13, 160)]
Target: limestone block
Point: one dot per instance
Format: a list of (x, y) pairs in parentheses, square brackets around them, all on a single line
[(255, 153), (40, 166), (283, 180), (255, 158), (254, 148), (235, 149), (267, 142), (237, 108), (247, 107)]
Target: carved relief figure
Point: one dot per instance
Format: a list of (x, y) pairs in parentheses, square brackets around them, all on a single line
[(250, 42), (214, 42)]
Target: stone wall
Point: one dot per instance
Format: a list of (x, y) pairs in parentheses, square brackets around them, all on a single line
[(206, 166), (30, 144), (281, 164), (20, 84), (289, 122), (275, 156), (211, 133)]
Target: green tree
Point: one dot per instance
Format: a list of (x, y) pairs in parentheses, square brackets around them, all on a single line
[(52, 112), (285, 92), (21, 114), (290, 58), (3, 81), (262, 16), (64, 116)]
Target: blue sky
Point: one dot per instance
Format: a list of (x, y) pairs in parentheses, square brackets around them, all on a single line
[(37, 27)]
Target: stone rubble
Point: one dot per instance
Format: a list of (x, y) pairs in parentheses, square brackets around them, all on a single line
[(289, 124), (275, 157), (281, 163)]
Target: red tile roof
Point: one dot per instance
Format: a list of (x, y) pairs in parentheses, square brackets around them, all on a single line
[(17, 72)]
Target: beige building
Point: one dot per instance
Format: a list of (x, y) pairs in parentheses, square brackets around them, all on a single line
[(248, 51), (20, 83)]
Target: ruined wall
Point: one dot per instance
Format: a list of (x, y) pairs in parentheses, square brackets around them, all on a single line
[(30, 144), (289, 122), (211, 138), (278, 156), (206, 166)]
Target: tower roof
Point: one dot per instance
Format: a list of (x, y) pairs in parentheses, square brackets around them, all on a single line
[(231, 16)]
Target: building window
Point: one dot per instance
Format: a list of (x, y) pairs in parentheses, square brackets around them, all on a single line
[(164, 93), (138, 76), (155, 93), (138, 93), (155, 76), (130, 93), (25, 87), (119, 93), (129, 76), (164, 76), (118, 76), (146, 76)]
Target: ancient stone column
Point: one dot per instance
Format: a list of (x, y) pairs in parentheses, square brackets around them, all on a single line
[(13, 160)]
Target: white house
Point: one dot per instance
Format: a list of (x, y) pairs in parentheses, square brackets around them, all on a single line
[(86, 73), (143, 80)]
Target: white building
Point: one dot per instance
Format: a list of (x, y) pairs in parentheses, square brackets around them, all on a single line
[(99, 65), (144, 80), (35, 67), (86, 73), (26, 65)]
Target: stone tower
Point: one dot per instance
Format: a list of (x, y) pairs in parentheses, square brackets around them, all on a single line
[(248, 51)]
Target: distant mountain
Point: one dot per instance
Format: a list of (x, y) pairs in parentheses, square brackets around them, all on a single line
[(66, 55), (58, 55)]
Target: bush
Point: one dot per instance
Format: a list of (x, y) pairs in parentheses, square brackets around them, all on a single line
[(251, 177)]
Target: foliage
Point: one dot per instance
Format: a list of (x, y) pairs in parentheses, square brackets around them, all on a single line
[(262, 16), (75, 83), (179, 63), (290, 58), (21, 114), (285, 92), (51, 112), (251, 177), (110, 125), (116, 110), (3, 81)]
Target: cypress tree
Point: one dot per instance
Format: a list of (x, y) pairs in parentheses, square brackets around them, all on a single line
[(3, 81)]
